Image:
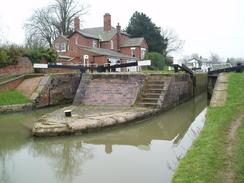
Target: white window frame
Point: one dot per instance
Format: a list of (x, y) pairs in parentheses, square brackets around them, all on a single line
[(143, 52), (62, 47), (112, 44), (94, 44)]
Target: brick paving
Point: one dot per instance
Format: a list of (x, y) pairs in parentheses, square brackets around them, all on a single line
[(28, 86)]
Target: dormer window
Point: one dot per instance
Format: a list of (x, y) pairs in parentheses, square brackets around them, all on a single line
[(112, 44)]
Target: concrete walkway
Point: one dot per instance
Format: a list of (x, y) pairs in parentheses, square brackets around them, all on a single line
[(28, 86), (220, 91), (87, 118)]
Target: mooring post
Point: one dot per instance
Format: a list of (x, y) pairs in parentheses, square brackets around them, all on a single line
[(67, 113)]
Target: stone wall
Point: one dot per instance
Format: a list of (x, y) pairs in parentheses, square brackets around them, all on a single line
[(23, 66), (57, 89), (179, 89), (120, 89)]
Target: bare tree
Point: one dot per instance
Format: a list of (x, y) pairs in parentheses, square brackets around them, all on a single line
[(47, 23), (40, 27), (173, 42), (215, 58), (64, 11), (35, 41)]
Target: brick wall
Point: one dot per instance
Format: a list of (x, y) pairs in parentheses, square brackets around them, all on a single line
[(111, 89), (11, 84), (122, 89), (127, 51), (23, 66), (100, 60)]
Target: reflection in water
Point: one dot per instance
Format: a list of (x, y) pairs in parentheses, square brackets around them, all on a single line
[(143, 152), (66, 156)]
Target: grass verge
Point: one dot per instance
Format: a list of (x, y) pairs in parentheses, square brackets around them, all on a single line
[(239, 159), (207, 157), (12, 97)]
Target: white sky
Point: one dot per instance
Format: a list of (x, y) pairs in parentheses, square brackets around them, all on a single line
[(205, 25)]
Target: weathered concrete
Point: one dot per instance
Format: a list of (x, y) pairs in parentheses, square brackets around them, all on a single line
[(87, 118), (220, 91), (16, 108)]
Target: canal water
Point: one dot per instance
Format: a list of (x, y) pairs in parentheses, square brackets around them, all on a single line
[(142, 152)]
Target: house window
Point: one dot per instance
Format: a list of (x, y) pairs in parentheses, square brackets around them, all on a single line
[(112, 44), (143, 52), (76, 40), (63, 47), (133, 52), (94, 43)]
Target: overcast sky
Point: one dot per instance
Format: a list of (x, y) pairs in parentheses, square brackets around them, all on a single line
[(206, 26)]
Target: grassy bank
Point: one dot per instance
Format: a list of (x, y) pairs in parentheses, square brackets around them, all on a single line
[(239, 160), (206, 160), (12, 97)]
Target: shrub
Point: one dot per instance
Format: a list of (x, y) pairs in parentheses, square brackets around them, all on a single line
[(9, 55), (157, 60), (36, 55)]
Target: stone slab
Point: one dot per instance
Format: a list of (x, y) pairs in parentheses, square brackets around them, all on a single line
[(86, 118)]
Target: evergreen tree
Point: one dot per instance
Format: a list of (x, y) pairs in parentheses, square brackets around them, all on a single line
[(141, 25)]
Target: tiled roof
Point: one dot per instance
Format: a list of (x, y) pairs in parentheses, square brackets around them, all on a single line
[(105, 52), (99, 33), (88, 34), (132, 42)]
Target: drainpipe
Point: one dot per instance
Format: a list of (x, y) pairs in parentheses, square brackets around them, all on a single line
[(118, 37)]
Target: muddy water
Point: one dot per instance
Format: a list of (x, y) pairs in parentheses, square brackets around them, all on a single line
[(135, 153)]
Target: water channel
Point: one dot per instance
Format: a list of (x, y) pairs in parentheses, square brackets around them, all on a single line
[(141, 152)]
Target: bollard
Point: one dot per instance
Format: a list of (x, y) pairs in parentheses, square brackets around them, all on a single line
[(67, 113)]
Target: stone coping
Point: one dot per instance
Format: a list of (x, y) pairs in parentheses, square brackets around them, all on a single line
[(16, 108), (220, 92), (133, 73), (87, 118)]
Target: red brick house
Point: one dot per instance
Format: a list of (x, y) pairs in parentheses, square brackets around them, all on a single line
[(100, 44)]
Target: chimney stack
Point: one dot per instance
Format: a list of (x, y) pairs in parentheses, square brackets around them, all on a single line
[(118, 36), (107, 22), (77, 23)]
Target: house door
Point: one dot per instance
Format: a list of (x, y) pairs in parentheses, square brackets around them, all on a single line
[(86, 60)]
